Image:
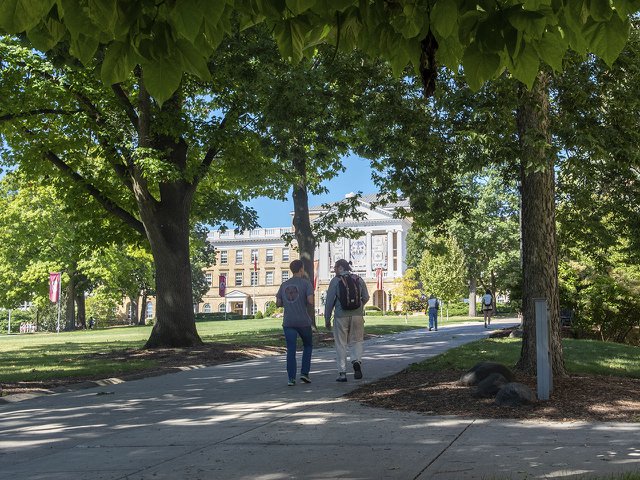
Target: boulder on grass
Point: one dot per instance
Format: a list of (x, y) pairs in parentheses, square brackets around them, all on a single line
[(490, 385), (514, 395), (482, 370)]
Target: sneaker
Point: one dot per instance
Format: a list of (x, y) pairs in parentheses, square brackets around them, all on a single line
[(342, 377), (357, 370), (292, 382), (305, 379), (429, 328)]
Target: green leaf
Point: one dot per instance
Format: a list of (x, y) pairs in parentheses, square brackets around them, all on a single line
[(119, 61), (193, 61), (84, 48), (290, 38), (626, 7), (104, 13), (22, 15), (551, 49), (450, 52), (186, 17), (400, 59), (478, 66), (526, 65), (162, 78), (300, 6), (444, 17), (607, 39), (212, 11), (46, 35), (77, 19), (600, 10), (533, 24)]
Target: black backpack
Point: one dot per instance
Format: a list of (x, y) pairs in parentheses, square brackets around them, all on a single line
[(349, 292)]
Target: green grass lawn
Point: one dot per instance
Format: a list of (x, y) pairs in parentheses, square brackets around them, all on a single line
[(581, 356)]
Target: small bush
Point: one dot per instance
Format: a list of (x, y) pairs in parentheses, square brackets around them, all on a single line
[(149, 321), (368, 308), (374, 313), (270, 309), (259, 315)]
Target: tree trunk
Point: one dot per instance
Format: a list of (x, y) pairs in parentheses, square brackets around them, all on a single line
[(70, 310), (473, 287), (143, 309), (133, 311), (80, 304), (167, 228), (302, 226), (539, 251)]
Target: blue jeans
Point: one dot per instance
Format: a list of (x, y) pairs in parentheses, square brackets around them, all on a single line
[(433, 318), (291, 337)]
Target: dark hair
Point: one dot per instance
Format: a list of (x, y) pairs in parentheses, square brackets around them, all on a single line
[(342, 263), (296, 266), (488, 291)]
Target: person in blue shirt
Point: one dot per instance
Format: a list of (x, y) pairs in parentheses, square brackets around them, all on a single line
[(295, 295)]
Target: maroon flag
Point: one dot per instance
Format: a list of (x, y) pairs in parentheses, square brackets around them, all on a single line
[(255, 263), (379, 284), (222, 285), (316, 266), (54, 287)]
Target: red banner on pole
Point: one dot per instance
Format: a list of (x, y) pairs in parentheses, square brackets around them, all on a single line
[(379, 284), (54, 287), (222, 285)]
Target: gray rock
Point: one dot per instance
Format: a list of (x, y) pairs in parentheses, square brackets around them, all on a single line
[(490, 385), (514, 395), (517, 333), (482, 370)]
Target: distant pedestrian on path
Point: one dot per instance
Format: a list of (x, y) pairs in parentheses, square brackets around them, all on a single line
[(346, 297), (432, 311), (295, 295), (487, 307)]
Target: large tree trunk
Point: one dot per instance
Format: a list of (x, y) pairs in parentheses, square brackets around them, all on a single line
[(133, 312), (473, 287), (168, 232), (70, 308), (143, 309), (539, 251), (166, 223), (302, 226), (80, 304)]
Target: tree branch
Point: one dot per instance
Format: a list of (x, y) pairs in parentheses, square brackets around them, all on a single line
[(39, 111), (123, 98), (100, 197)]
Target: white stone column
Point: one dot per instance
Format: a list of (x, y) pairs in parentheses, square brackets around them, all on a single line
[(347, 249), (245, 307), (324, 264), (390, 273), (401, 255), (369, 257)]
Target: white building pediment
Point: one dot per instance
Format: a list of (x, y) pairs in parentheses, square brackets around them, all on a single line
[(236, 295)]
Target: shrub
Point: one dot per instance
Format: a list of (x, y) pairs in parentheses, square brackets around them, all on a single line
[(259, 315), (150, 321), (270, 309), (371, 308), (374, 313)]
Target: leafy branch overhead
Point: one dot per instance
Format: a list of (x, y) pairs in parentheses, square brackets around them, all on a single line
[(168, 39)]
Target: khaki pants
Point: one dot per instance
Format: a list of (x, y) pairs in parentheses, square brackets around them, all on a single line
[(348, 334)]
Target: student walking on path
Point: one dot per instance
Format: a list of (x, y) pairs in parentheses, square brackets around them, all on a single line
[(294, 295), (346, 297), (487, 307), (432, 311)]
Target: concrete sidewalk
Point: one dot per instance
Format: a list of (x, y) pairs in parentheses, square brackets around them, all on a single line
[(241, 421)]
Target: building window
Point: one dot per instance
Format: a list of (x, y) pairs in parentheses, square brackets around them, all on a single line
[(254, 255), (285, 254), (149, 310), (207, 308), (268, 278), (222, 307), (254, 309), (209, 278), (269, 254), (238, 256), (285, 275), (238, 279), (224, 258), (254, 278)]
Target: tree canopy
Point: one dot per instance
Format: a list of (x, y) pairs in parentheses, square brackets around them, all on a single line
[(170, 38)]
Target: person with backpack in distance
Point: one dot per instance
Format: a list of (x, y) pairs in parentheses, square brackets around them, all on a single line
[(432, 311), (346, 296), (295, 295), (487, 307)]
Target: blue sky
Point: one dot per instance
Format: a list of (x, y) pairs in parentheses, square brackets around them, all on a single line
[(356, 177)]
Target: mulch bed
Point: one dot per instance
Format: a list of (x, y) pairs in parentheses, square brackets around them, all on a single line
[(574, 398)]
